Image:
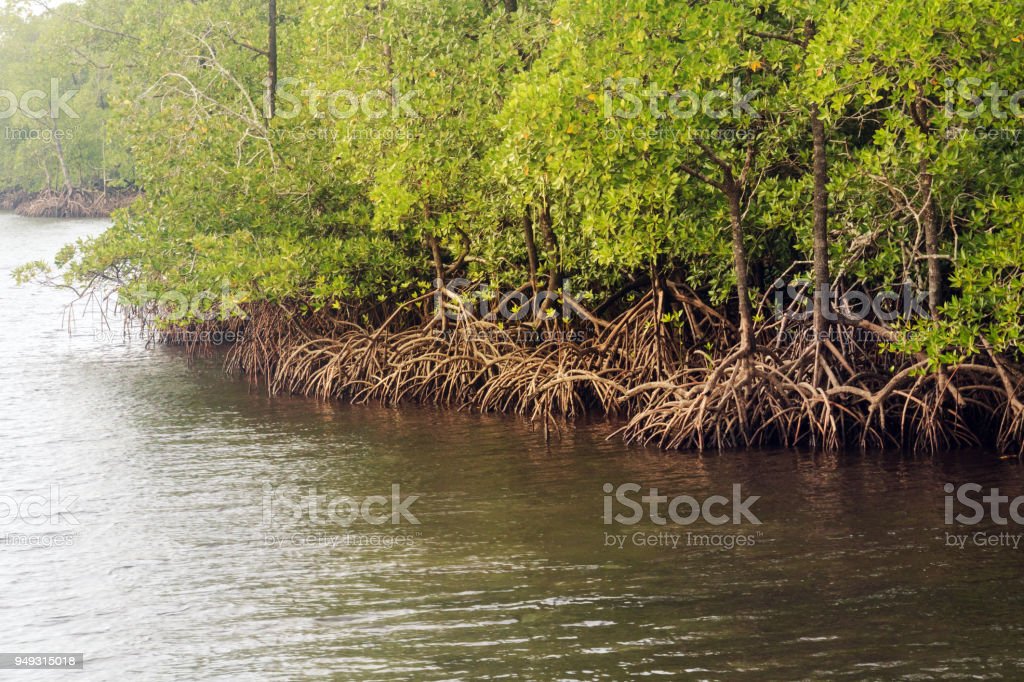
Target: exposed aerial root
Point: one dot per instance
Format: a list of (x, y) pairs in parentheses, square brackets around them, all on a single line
[(657, 338), (922, 411), (1011, 430), (744, 400), (429, 365), (468, 364), (77, 203), (1009, 404), (929, 409), (328, 368), (555, 379), (269, 331), (815, 393), (638, 342), (803, 393)]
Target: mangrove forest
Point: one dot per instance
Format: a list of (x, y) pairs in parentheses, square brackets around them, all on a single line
[(711, 224)]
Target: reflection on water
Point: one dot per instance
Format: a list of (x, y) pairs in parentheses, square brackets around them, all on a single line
[(177, 570)]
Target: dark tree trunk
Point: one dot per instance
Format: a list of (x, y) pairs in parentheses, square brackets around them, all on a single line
[(739, 259), (551, 244), (929, 219), (531, 249), (435, 254), (822, 278), (272, 59)]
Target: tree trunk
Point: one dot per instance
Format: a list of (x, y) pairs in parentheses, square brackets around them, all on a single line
[(929, 218), (46, 171), (59, 148), (439, 284), (531, 249), (272, 59), (435, 254), (555, 260), (739, 260), (551, 244), (822, 279)]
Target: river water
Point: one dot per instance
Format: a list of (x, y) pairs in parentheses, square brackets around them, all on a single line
[(183, 525)]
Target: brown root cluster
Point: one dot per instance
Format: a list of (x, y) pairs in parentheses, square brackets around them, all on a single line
[(459, 363), (76, 203), (675, 380), (819, 399)]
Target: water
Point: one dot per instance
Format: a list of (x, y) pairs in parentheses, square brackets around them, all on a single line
[(176, 569)]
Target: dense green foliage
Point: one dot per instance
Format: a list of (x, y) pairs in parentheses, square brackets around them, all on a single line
[(614, 132)]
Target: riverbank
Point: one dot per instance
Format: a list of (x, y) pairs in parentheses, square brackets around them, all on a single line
[(78, 203)]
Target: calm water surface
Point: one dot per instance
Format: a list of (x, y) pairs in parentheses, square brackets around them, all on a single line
[(171, 564)]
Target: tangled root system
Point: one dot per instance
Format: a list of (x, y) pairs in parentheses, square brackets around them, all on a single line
[(671, 393)]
